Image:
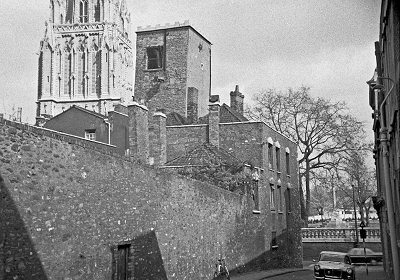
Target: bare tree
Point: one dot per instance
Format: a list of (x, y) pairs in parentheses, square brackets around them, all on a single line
[(321, 128), (355, 173)]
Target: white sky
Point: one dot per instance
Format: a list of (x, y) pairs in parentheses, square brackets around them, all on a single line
[(325, 44)]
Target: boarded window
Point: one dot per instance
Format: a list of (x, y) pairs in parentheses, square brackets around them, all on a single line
[(155, 57)]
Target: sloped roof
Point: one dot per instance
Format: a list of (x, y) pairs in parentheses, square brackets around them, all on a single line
[(226, 115), (73, 107), (202, 154), (176, 119)]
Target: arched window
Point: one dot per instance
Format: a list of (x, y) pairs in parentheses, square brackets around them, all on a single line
[(83, 11)]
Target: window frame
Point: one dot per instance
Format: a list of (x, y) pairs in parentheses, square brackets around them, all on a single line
[(272, 199), (270, 156), (288, 171), (89, 133), (278, 159), (83, 11), (156, 58)]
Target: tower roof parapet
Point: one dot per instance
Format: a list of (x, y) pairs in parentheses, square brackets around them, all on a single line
[(177, 24), (166, 26)]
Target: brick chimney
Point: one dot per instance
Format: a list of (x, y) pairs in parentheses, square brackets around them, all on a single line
[(160, 137), (213, 120), (138, 132), (192, 105), (237, 100)]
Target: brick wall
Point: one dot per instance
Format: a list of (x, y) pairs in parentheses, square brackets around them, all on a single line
[(72, 206)]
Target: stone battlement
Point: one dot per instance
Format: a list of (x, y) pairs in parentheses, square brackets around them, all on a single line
[(161, 27)]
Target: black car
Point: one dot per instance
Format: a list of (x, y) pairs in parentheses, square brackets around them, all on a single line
[(357, 255), (334, 265)]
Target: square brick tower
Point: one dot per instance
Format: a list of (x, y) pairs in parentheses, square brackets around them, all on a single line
[(85, 57), (173, 69)]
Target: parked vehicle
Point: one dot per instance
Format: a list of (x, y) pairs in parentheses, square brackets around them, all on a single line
[(334, 265), (371, 257)]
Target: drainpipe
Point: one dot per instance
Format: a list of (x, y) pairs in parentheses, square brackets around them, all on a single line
[(383, 139), (109, 130)]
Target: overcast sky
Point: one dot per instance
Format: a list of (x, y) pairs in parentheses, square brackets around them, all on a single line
[(257, 44)]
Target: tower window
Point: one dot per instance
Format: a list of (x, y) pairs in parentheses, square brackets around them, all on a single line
[(154, 57), (83, 11)]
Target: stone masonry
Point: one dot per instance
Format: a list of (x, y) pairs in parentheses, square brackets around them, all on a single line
[(70, 211)]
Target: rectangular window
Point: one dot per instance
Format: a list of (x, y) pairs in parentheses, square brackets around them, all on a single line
[(288, 201), (272, 196), (122, 262), (270, 156), (90, 134), (274, 242), (278, 159), (280, 199), (254, 192), (155, 57), (287, 163)]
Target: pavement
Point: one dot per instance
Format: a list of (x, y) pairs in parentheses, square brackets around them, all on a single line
[(307, 265), (265, 274)]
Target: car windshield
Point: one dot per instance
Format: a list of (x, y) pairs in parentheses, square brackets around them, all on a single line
[(360, 251), (331, 258)]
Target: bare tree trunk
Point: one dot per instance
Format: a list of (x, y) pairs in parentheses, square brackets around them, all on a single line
[(303, 215), (308, 192)]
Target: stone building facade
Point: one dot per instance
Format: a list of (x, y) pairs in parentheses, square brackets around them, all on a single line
[(384, 99), (173, 69), (85, 57)]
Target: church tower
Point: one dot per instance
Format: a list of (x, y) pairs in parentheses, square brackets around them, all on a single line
[(85, 57)]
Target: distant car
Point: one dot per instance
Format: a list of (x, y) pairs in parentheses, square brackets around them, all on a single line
[(357, 256), (334, 265)]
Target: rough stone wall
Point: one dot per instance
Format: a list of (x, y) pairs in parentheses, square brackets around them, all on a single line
[(164, 88), (119, 130), (67, 208)]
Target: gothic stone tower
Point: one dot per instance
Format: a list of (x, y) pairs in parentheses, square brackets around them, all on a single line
[(85, 57), (173, 69)]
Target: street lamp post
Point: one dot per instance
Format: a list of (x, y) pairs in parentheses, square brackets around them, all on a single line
[(355, 217)]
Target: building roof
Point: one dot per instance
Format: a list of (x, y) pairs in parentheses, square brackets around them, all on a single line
[(97, 115), (202, 155), (226, 115), (174, 118), (169, 26)]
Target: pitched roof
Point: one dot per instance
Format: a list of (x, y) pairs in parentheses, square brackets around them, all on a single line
[(176, 119), (89, 112), (202, 154), (226, 115)]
